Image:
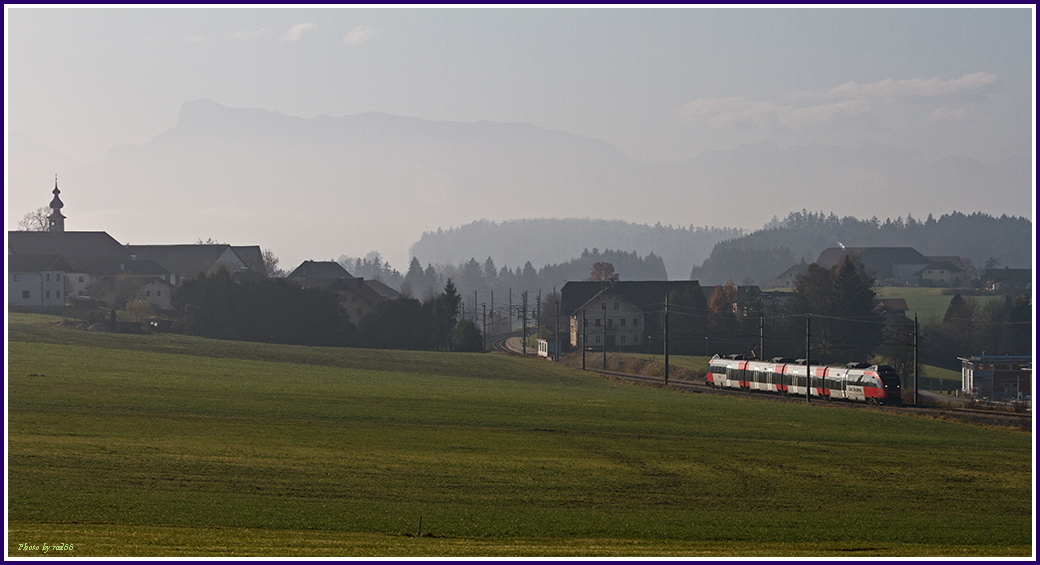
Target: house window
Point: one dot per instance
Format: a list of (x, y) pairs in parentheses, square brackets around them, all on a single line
[(81, 279), (147, 293), (48, 275), (599, 339), (623, 320), (602, 305), (48, 294), (622, 338), (617, 305), (599, 322), (635, 322), (635, 338), (59, 276), (158, 293), (57, 294), (610, 322), (25, 294), (17, 277)]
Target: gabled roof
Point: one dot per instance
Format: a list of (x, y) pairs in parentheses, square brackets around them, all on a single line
[(187, 259), (868, 255), (319, 270), (1007, 275), (383, 290), (252, 256), (891, 305), (115, 267), (73, 245), (642, 294), (39, 263), (941, 266), (794, 271)]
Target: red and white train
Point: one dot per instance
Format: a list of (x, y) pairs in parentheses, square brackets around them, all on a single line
[(856, 382)]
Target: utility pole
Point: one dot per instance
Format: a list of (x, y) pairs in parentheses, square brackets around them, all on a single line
[(666, 340), (808, 364), (493, 312), (510, 315), (474, 307), (538, 316), (483, 327), (915, 360), (761, 336), (584, 335), (604, 336), (523, 335), (557, 352)]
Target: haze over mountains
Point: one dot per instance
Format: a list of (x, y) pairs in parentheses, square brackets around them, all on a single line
[(328, 186)]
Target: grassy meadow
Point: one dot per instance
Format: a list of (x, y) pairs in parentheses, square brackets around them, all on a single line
[(167, 445)]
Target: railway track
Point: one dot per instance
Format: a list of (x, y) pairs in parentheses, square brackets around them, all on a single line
[(985, 417), (1005, 419)]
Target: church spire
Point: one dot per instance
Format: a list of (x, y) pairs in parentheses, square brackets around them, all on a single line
[(56, 221)]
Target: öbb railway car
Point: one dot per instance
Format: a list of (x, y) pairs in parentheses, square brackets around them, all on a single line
[(856, 382)]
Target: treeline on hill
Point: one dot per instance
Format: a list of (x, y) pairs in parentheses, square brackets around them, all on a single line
[(486, 277), (556, 240), (760, 257), (277, 311)]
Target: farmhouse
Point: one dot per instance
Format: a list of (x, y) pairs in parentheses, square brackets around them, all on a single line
[(889, 265), (356, 295), (619, 314), (940, 273)]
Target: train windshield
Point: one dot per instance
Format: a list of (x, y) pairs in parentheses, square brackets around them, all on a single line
[(889, 376)]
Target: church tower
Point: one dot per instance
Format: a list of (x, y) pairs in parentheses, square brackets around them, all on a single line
[(56, 222)]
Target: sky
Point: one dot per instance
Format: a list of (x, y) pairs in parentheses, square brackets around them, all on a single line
[(660, 84)]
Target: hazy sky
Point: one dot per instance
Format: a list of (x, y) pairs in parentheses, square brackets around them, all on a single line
[(659, 84)]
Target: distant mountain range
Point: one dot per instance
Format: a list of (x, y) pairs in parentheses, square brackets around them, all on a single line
[(323, 187)]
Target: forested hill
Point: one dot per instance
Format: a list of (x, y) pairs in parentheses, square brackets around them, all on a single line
[(759, 257), (551, 241)]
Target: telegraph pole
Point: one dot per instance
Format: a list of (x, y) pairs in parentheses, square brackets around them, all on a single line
[(483, 327), (557, 352), (666, 340), (761, 336), (604, 336), (492, 312), (584, 336), (523, 334), (510, 316), (808, 364), (538, 316), (915, 360)]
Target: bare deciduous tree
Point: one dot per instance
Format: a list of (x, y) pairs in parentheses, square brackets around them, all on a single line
[(35, 220)]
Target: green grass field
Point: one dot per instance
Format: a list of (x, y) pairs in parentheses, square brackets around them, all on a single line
[(929, 303), (175, 446)]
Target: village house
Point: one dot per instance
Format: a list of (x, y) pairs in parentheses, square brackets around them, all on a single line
[(620, 315), (940, 273), (356, 295), (48, 269)]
